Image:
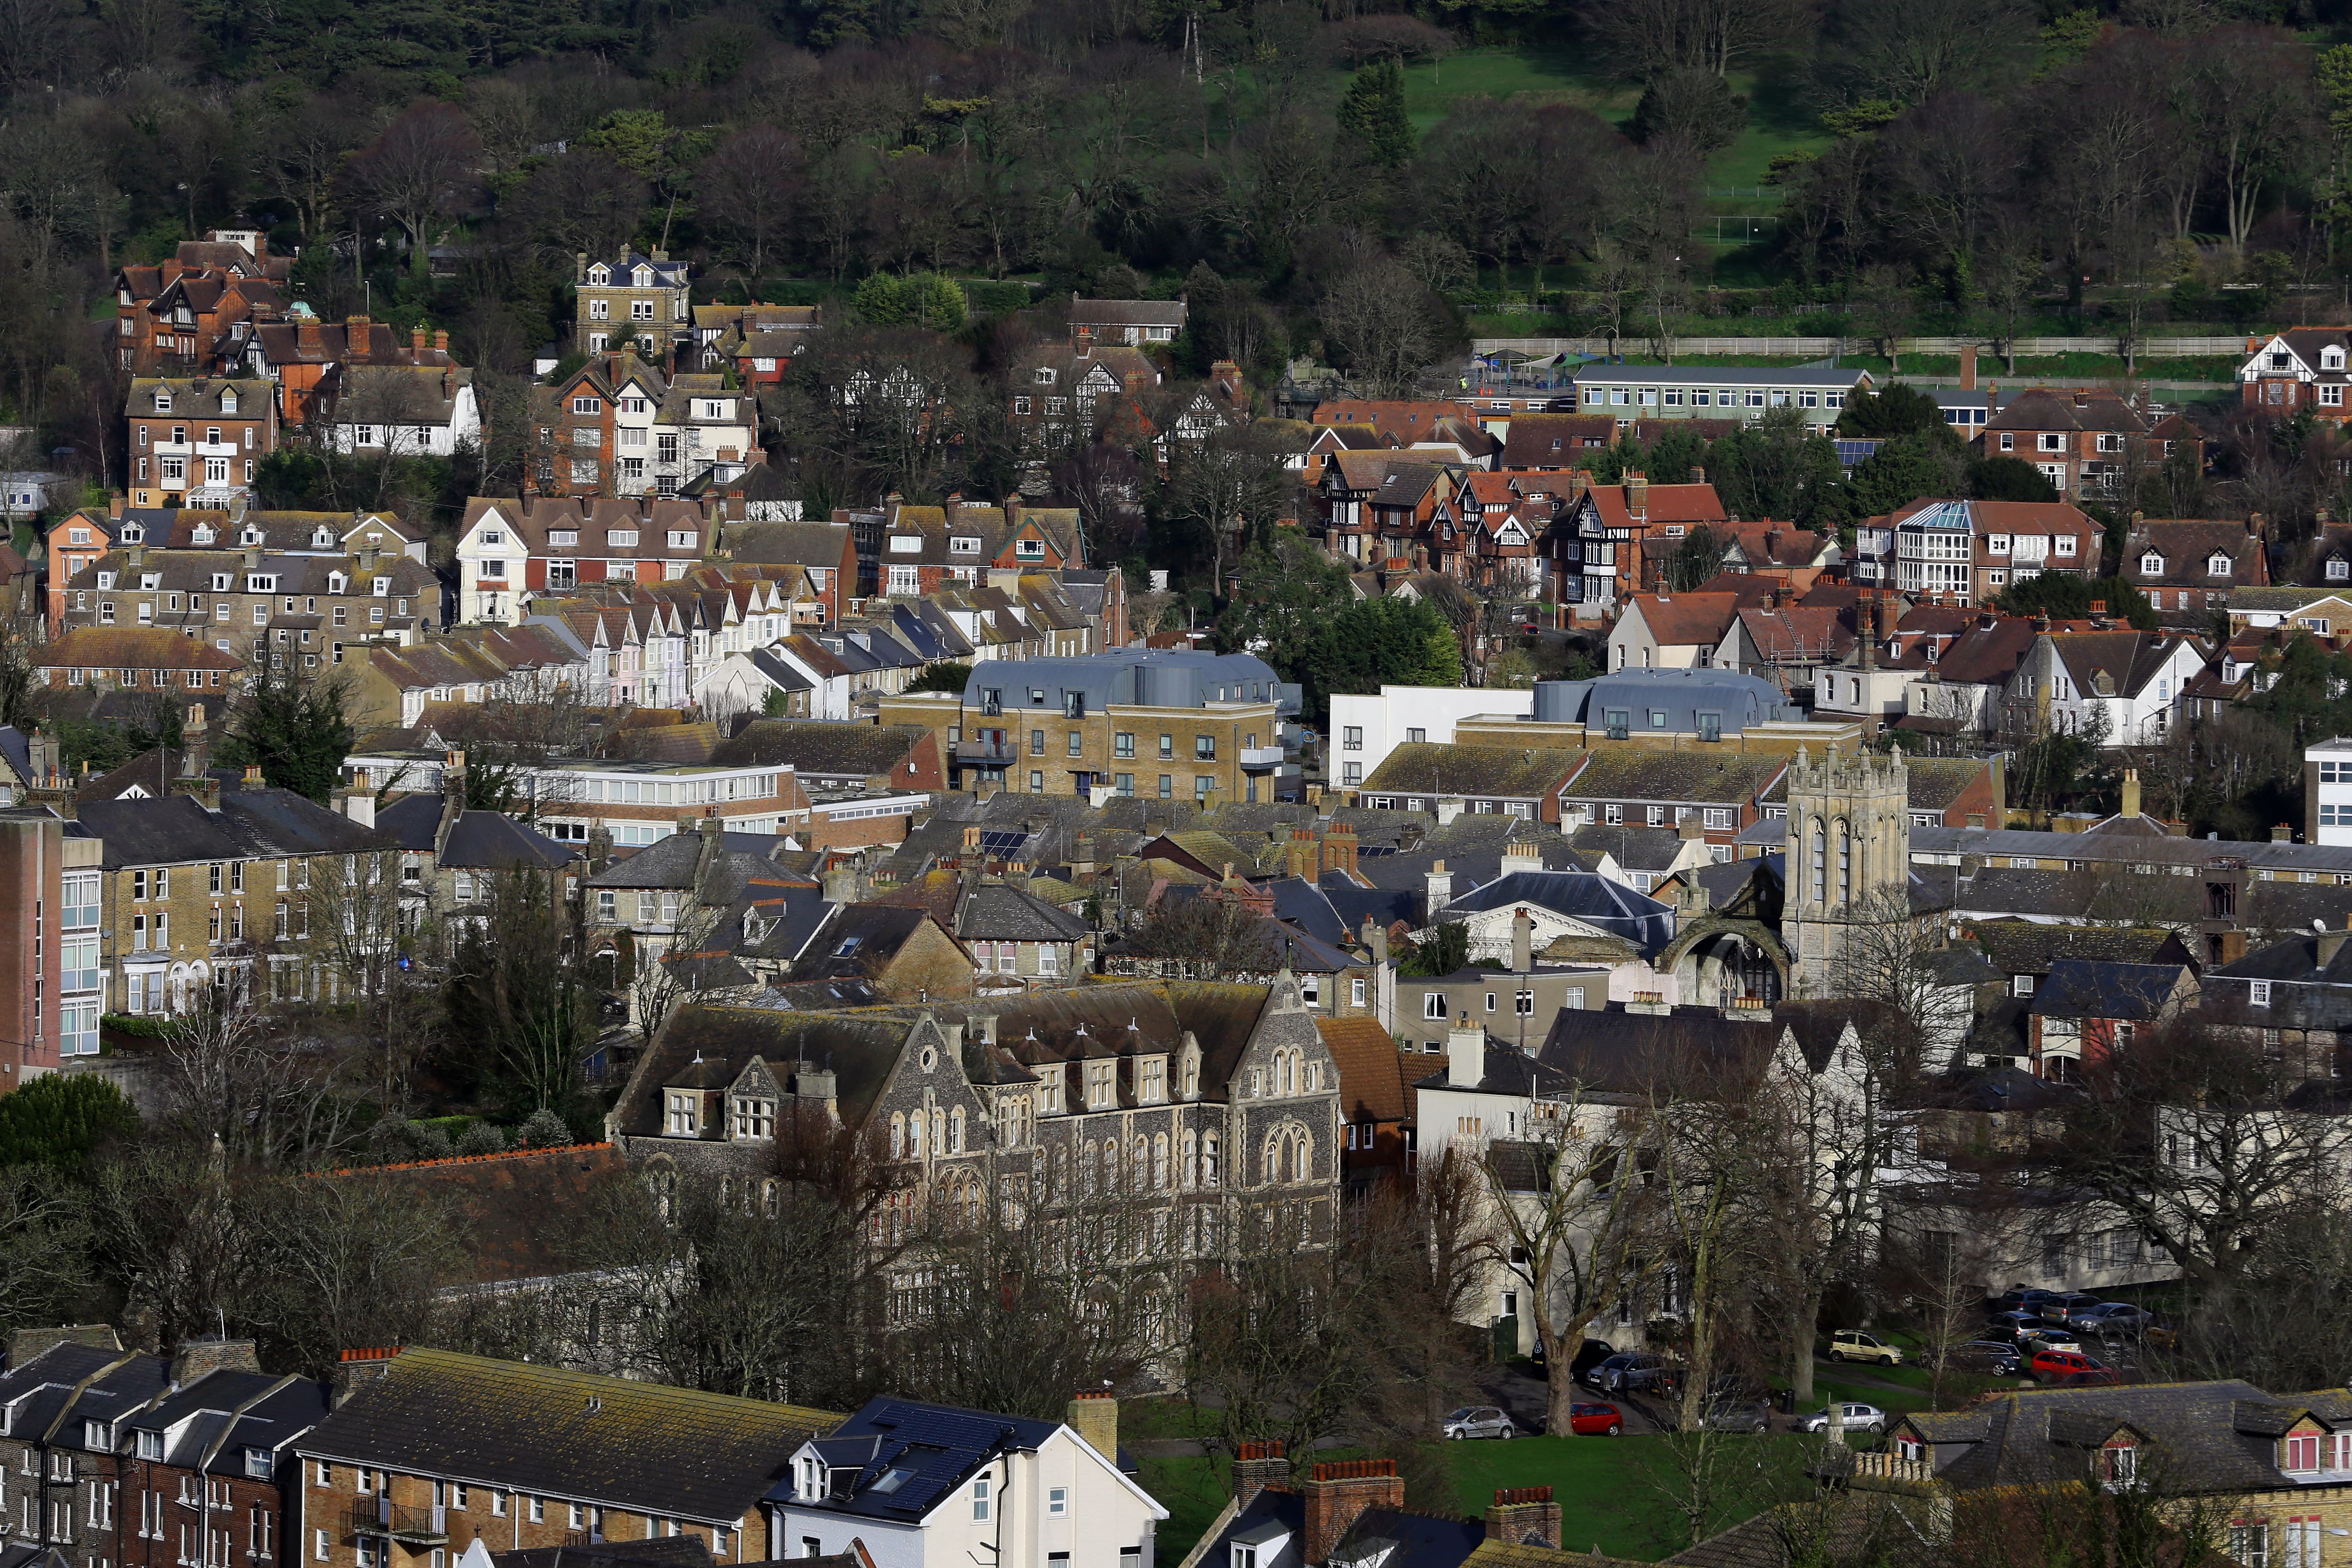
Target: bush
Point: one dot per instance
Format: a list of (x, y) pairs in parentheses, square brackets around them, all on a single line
[(58, 1118), (481, 1138), (134, 1024), (543, 1129)]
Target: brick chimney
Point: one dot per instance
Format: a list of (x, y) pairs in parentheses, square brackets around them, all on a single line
[(441, 339), (1094, 1418), (1337, 1495), (362, 1366), (416, 341), (1524, 1516), (1637, 496), (1339, 849), (1967, 375), (198, 1358), (1257, 1466)]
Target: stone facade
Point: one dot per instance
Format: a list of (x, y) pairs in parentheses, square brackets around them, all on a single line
[(1849, 857)]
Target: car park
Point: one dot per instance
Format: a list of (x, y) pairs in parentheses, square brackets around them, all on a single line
[(2018, 1299), (1591, 1354), (2019, 1327), (1479, 1421), (1595, 1420), (1852, 1344), (1854, 1417)]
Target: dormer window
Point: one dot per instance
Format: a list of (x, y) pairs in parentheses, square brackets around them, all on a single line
[(683, 1119), (250, 537), (1029, 549), (566, 537), (642, 278), (1044, 375), (2119, 1464), (812, 1479), (202, 533), (228, 402), (337, 582), (906, 544), (381, 587), (599, 274), (151, 1445), (2218, 565), (754, 1117), (2151, 564), (163, 400), (2302, 1452), (98, 1436), (260, 1464), (149, 581), (106, 579), (620, 539), (2331, 359)]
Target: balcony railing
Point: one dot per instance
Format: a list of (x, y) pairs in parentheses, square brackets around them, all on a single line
[(418, 1526), (1259, 757), (987, 752)]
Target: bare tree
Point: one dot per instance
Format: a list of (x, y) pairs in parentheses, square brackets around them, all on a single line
[(1576, 1207), (351, 1259), (1385, 325), (1716, 35), (233, 1076), (745, 187), (417, 172), (1233, 479)]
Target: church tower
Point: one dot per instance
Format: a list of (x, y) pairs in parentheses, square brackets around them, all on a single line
[(1848, 861)]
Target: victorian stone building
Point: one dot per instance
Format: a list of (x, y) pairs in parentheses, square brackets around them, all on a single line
[(1203, 1109)]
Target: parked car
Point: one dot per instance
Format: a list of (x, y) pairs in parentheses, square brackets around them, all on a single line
[(1737, 1416), (2109, 1319), (1625, 1370), (1987, 1356), (1595, 1420), (1856, 1419), (2049, 1366), (2070, 1303), (2016, 1327), (1852, 1344), (2050, 1337), (1478, 1421), (2018, 1299)]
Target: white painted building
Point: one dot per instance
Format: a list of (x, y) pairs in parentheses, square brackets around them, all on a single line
[(2327, 792), (1365, 730), (908, 1485)]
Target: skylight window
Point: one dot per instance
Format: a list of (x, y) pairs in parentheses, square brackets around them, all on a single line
[(893, 1478)]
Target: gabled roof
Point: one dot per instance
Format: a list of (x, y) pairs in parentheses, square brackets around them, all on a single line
[(1686, 620), (1374, 1084), (2128, 660), (2104, 988), (2040, 408), (1582, 895), (536, 1429), (1434, 769)]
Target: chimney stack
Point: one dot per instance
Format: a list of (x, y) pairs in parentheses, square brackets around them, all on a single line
[(1466, 1054), (1968, 367), (1337, 1495), (1524, 1516), (359, 1367), (1257, 1466), (1437, 891), (1522, 942), (200, 1358), (2331, 942), (1094, 1418), (2131, 792)]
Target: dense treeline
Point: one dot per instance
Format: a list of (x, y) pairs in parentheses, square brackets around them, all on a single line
[(2102, 168)]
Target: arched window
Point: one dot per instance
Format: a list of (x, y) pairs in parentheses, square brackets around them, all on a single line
[(1086, 1169), (1138, 1162), (1160, 1161), (955, 1131), (1192, 1075), (898, 1136), (1190, 1166), (1109, 1165), (915, 1136), (770, 1198), (1208, 1159), (1845, 863), (1821, 864)]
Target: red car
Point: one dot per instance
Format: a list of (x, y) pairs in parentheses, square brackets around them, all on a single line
[(2064, 1366), (1595, 1420)]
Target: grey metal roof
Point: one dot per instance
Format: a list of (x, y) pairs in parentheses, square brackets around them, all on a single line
[(1149, 678), (1736, 701), (2088, 988)]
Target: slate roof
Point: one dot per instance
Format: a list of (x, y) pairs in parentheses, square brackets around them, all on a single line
[(2216, 1436), (2030, 947), (1609, 1050), (224, 1413), (41, 1393), (1580, 896), (855, 938), (251, 825), (131, 647), (998, 912), (536, 1429), (1496, 771), (932, 1449), (2187, 546), (2095, 988), (1634, 848), (478, 840)]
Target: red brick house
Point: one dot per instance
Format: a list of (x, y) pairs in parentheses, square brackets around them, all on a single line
[(2302, 368), (301, 353), (199, 1468), (199, 439), (2082, 441), (197, 313)]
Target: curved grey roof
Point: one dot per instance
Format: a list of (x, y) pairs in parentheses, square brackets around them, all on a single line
[(1172, 677), (1736, 701)]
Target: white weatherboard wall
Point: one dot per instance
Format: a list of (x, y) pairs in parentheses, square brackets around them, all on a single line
[(1380, 723)]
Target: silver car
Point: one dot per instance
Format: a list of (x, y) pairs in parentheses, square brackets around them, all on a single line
[(1856, 1418), (1479, 1421)]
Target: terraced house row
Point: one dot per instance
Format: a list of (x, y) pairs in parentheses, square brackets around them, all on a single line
[(420, 1458)]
